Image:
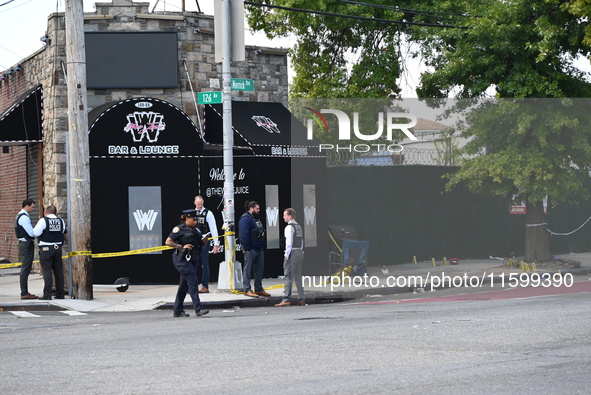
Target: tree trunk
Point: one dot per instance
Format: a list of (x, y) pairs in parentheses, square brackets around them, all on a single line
[(537, 243)]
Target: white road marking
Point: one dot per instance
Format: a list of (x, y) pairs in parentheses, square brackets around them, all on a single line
[(24, 314), (68, 312)]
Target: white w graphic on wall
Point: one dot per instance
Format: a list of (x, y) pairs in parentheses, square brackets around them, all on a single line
[(145, 219), (272, 216), (310, 214)]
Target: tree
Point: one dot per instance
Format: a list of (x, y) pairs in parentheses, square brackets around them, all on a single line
[(519, 149), (336, 56)]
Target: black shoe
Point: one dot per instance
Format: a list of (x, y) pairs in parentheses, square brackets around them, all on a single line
[(45, 298), (59, 297), (180, 314), (202, 312)]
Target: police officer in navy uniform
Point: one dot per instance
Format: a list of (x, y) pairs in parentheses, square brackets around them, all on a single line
[(51, 232), (186, 239), (26, 244)]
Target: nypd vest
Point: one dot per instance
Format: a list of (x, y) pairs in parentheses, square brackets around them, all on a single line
[(257, 233), (19, 230), (54, 230), (298, 236), (202, 221)]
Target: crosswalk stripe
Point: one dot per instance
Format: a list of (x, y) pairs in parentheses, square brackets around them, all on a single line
[(24, 314), (73, 313)]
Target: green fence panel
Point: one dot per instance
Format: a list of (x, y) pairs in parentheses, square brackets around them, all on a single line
[(404, 211)]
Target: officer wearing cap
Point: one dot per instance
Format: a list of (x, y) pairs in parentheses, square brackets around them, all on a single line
[(51, 231), (186, 239)]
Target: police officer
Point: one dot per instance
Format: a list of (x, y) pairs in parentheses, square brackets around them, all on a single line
[(187, 241), (52, 233), (206, 224), (293, 258), (252, 235), (26, 244)]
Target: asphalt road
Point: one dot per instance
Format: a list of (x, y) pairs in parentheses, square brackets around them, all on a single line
[(523, 345)]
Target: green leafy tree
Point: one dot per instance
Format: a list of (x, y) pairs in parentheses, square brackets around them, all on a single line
[(519, 149), (335, 56)]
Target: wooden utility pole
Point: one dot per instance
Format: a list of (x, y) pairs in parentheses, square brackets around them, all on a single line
[(79, 169)]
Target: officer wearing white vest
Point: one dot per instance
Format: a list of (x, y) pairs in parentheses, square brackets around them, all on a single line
[(51, 233), (206, 224), (26, 244)]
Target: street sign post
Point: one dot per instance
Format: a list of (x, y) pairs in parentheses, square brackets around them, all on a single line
[(209, 97), (241, 84)]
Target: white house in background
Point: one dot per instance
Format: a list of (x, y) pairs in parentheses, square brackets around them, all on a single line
[(428, 133)]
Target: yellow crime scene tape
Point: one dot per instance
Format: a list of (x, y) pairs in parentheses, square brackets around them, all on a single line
[(100, 255), (341, 272), (143, 251)]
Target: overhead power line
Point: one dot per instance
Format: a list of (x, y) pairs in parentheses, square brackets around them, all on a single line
[(361, 18), (406, 10)]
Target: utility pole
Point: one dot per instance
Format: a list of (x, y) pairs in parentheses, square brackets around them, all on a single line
[(229, 45), (78, 153), (228, 136)]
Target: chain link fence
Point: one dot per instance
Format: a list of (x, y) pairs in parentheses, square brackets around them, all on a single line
[(410, 156)]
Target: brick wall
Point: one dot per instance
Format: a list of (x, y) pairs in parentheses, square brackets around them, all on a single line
[(11, 87), (13, 179)]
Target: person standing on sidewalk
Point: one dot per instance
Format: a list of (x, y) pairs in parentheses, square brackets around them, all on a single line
[(252, 235), (186, 239), (26, 245), (52, 233), (206, 224), (293, 258)]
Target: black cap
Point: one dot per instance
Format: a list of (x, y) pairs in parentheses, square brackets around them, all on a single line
[(190, 213)]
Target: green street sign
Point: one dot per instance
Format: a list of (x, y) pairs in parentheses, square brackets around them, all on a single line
[(209, 97), (241, 84)]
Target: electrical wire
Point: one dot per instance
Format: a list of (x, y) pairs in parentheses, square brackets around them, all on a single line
[(28, 1), (406, 10), (361, 18)]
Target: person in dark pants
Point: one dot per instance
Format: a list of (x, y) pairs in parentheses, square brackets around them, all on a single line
[(26, 245), (206, 224), (293, 258), (186, 239), (52, 233), (252, 235)]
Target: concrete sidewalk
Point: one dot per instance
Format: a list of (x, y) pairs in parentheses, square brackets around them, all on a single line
[(385, 280)]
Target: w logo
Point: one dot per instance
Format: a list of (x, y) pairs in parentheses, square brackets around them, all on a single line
[(145, 219), (145, 124)]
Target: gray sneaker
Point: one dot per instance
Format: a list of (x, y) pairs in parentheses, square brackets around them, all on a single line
[(201, 312), (180, 314)]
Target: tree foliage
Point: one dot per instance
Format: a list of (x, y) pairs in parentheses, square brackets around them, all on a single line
[(519, 149), (334, 56), (521, 48)]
